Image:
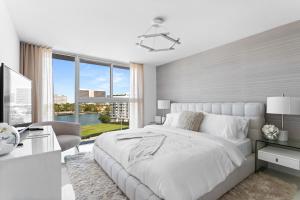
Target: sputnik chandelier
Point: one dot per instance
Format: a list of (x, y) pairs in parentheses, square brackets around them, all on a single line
[(156, 38)]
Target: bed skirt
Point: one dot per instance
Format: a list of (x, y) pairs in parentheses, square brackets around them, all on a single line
[(135, 190)]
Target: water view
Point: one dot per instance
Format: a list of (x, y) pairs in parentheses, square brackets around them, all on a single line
[(91, 125), (84, 119)]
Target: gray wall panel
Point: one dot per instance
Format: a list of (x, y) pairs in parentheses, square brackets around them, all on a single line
[(250, 69)]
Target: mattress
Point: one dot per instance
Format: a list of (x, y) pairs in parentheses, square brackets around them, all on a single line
[(245, 146)]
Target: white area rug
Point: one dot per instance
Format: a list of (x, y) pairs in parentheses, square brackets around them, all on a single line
[(91, 182), (88, 179)]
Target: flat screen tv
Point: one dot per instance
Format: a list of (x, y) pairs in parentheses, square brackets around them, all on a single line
[(15, 98)]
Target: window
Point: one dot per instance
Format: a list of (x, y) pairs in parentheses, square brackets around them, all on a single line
[(121, 81), (94, 79), (64, 85), (93, 93)]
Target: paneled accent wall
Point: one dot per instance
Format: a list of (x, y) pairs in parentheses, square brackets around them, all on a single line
[(265, 64)]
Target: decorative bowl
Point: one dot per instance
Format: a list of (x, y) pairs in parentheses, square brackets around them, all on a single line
[(270, 132), (9, 138)]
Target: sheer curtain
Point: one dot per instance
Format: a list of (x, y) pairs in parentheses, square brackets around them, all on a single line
[(136, 109), (36, 64)]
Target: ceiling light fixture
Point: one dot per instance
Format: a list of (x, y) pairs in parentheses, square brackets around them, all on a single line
[(155, 33)]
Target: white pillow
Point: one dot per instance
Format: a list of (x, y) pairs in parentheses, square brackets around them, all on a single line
[(226, 126), (171, 119)]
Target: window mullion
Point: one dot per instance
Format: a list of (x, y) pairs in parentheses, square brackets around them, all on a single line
[(77, 82), (111, 80)]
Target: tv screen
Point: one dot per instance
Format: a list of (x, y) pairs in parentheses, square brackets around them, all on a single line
[(15, 98)]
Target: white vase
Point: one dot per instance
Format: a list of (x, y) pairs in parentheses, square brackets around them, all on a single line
[(9, 138), (283, 136)]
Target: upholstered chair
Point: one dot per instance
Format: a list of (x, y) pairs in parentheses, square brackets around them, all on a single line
[(67, 133)]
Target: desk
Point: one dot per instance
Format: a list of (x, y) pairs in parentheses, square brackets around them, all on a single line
[(32, 171)]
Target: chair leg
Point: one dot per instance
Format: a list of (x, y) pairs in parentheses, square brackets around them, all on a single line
[(77, 147)]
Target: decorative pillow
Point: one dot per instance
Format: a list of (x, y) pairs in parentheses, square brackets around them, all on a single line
[(226, 126), (188, 120)]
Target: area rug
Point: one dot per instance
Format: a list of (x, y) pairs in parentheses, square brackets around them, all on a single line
[(91, 182)]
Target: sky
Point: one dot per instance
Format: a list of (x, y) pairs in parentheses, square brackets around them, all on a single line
[(94, 77)]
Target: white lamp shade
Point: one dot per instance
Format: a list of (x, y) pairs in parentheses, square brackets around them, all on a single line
[(283, 105), (163, 104)]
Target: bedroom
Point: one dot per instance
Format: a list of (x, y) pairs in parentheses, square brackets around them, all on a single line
[(202, 80)]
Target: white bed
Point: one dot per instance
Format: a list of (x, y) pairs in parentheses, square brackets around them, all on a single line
[(142, 184), (245, 146)]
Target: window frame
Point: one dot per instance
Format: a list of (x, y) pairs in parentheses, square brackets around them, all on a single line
[(77, 59)]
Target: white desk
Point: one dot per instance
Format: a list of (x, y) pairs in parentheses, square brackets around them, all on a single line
[(32, 171)]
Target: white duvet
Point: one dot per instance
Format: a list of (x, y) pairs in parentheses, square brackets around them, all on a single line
[(187, 166)]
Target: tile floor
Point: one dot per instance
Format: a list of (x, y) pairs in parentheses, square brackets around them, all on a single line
[(68, 192)]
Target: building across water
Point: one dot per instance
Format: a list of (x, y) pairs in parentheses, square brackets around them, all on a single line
[(86, 93), (120, 111), (60, 99)]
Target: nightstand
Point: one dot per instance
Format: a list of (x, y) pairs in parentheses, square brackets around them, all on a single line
[(286, 154)]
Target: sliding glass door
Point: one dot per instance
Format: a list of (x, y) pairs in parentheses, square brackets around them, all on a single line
[(91, 92)]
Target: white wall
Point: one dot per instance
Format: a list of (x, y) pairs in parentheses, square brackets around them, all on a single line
[(149, 93), (9, 41)]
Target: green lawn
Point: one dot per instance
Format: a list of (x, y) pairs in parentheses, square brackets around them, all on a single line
[(96, 129)]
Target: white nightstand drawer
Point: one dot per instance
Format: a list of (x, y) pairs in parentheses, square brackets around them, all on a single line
[(284, 157)]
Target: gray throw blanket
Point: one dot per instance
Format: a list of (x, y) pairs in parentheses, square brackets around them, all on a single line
[(148, 145)]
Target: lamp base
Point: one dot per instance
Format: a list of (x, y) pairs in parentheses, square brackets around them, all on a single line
[(157, 119), (283, 136), (163, 119)]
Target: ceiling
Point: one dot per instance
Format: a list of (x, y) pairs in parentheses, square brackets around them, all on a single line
[(108, 28)]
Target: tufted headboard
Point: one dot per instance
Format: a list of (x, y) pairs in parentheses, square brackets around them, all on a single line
[(253, 111)]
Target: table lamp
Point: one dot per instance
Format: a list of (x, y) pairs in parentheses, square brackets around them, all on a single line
[(284, 106), (163, 105)]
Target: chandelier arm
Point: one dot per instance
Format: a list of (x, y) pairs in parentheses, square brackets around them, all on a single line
[(153, 35), (146, 47), (166, 49), (172, 47), (169, 38)]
